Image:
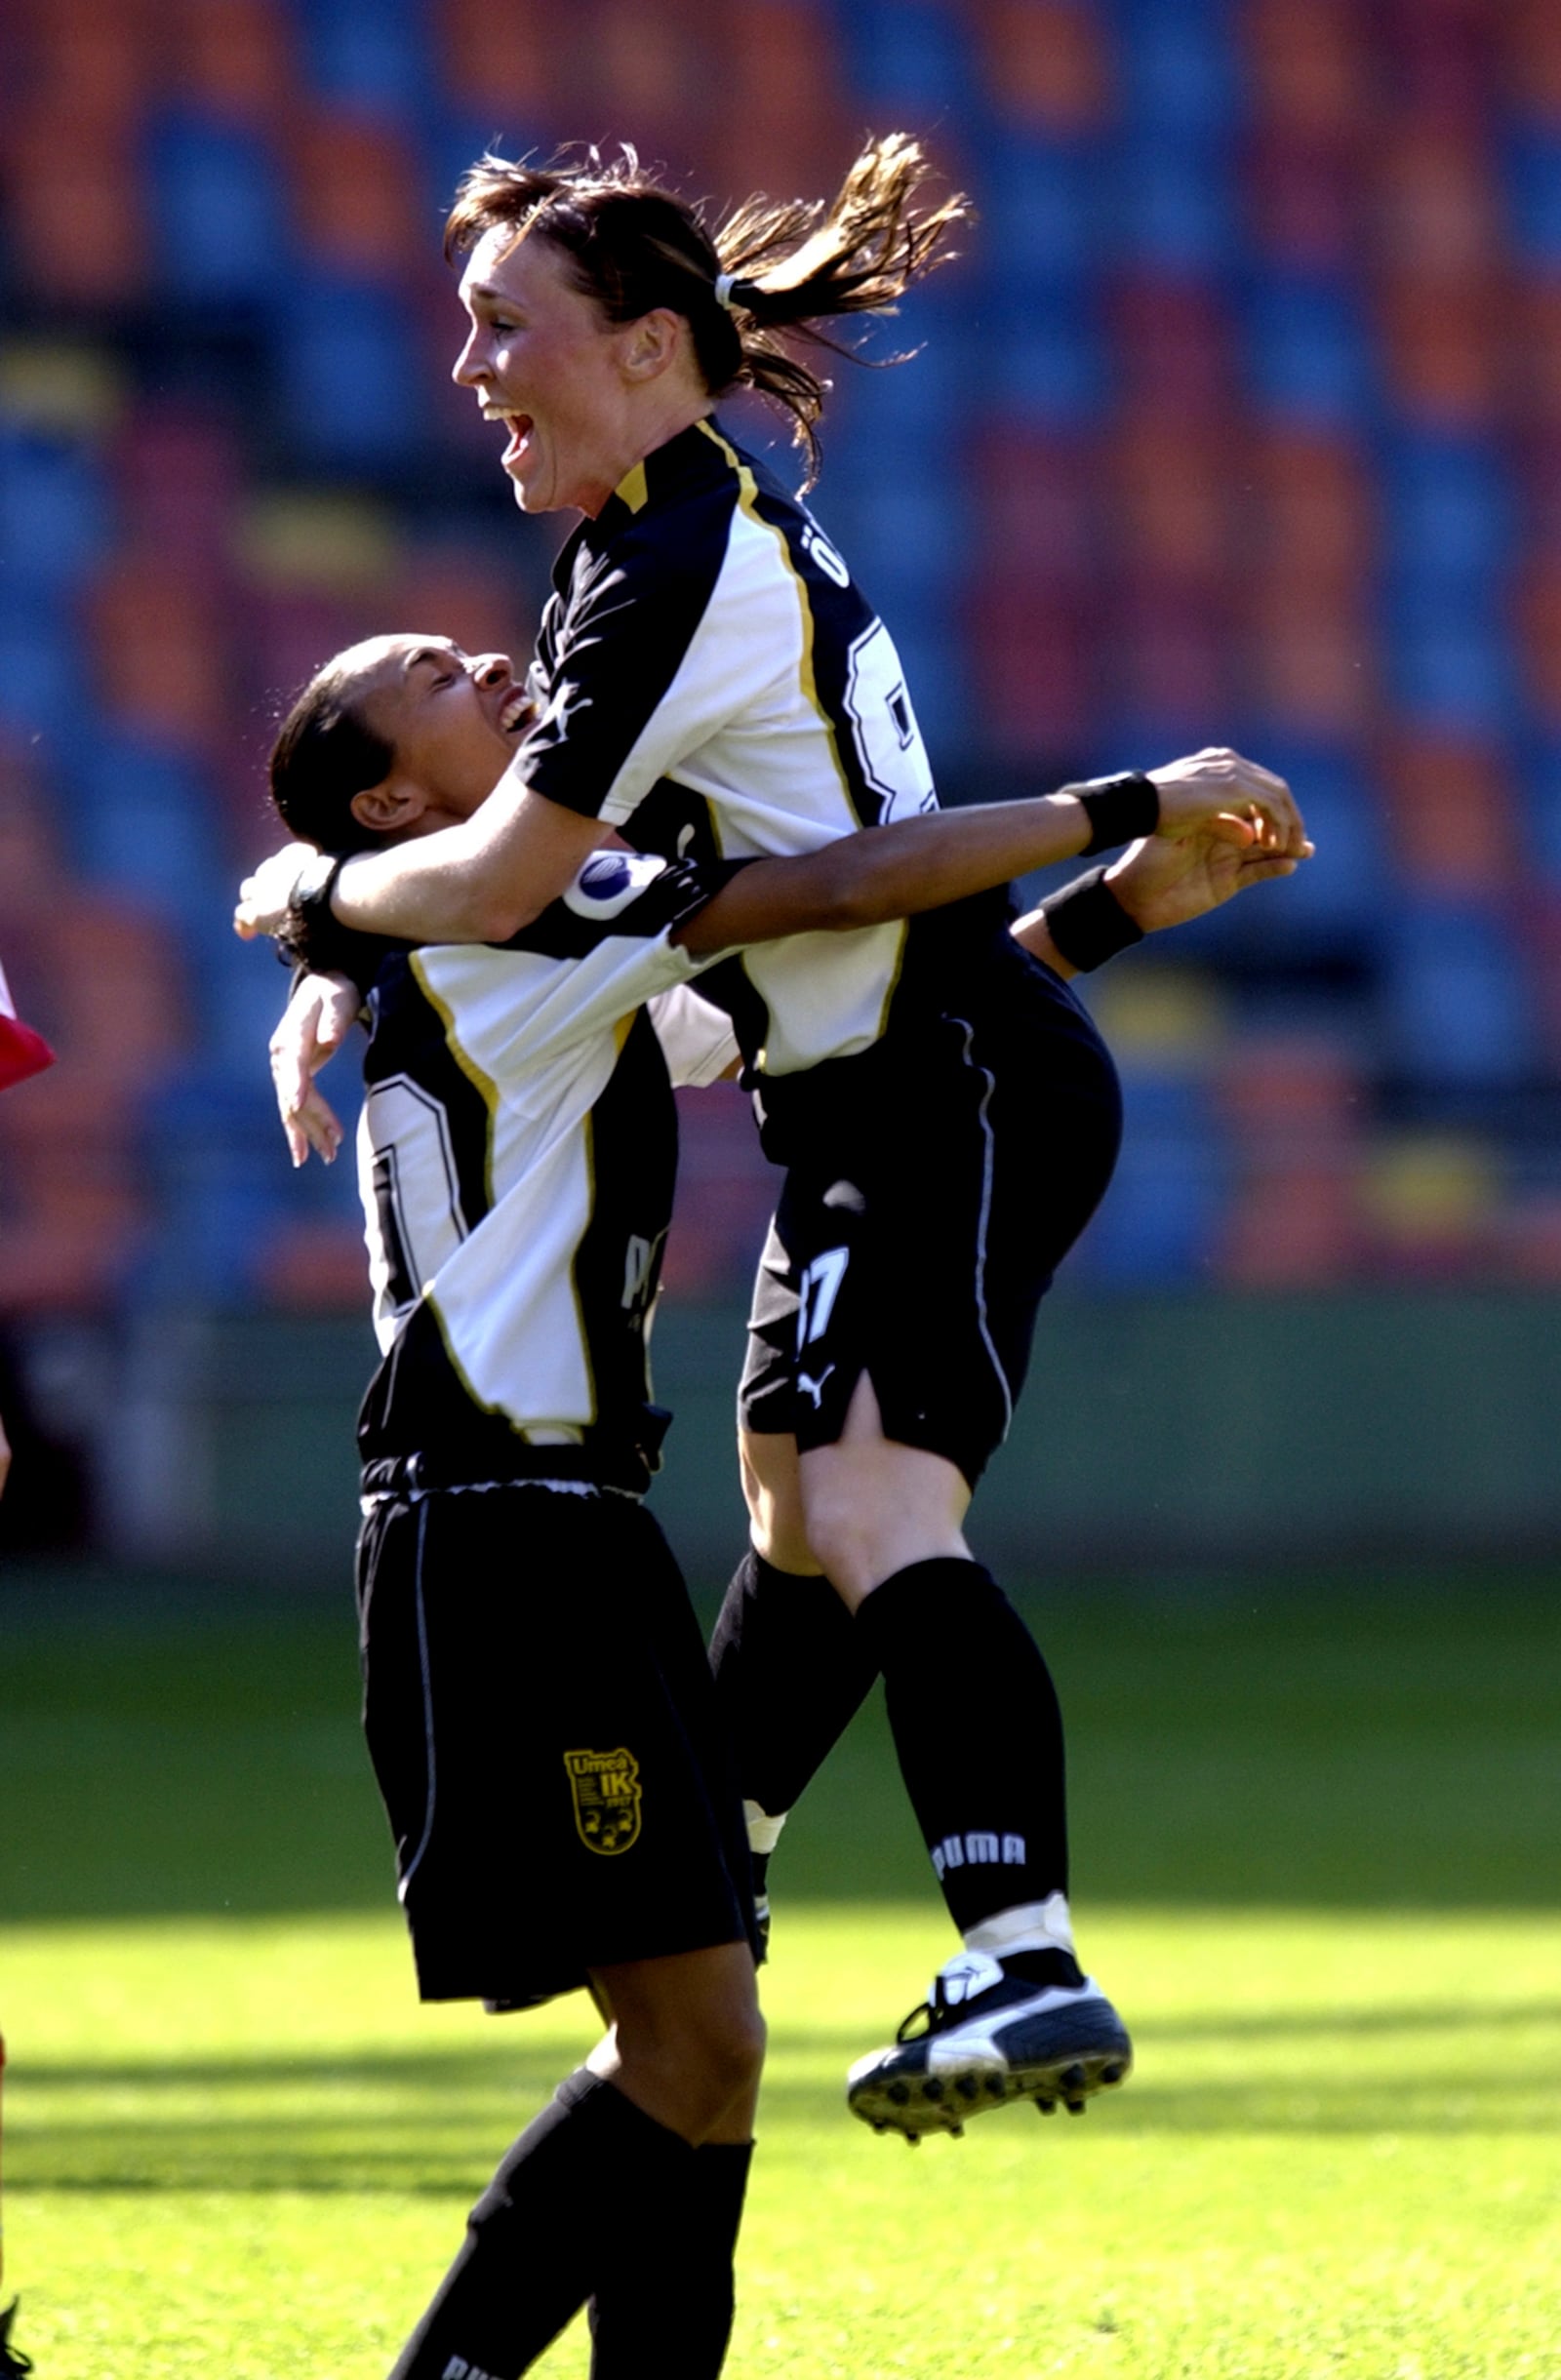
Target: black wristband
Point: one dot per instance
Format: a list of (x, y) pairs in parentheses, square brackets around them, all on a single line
[(310, 934), (1088, 924), (1119, 810)]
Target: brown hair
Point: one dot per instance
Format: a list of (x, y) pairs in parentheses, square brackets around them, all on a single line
[(325, 752), (633, 245)]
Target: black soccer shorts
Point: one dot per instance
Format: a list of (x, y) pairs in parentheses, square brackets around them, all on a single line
[(540, 1716), (918, 1245)]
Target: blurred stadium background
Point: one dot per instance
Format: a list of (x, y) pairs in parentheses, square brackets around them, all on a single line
[(1240, 419)]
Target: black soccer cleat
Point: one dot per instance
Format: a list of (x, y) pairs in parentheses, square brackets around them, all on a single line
[(13, 2362), (986, 2037)]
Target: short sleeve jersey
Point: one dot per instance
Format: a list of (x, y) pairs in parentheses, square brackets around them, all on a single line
[(516, 1159), (710, 678)]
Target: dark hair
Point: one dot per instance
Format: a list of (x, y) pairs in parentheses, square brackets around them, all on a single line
[(633, 245), (325, 752)]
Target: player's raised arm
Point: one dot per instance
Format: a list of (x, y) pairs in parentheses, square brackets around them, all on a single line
[(921, 863)]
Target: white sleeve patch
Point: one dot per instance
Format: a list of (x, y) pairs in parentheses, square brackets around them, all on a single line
[(610, 881)]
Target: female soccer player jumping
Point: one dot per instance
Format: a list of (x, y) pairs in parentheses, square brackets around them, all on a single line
[(710, 680)]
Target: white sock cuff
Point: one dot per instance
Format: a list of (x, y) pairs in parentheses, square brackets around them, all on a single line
[(1032, 1926), (764, 1832)]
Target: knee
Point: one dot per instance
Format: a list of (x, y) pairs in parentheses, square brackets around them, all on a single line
[(734, 2052)]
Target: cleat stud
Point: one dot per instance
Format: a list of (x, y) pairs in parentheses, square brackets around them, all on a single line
[(994, 2086), (956, 2132), (932, 2090), (1072, 2078), (900, 2093), (967, 2087), (912, 2140), (1110, 2074), (1046, 2107), (880, 2127), (1076, 2107)]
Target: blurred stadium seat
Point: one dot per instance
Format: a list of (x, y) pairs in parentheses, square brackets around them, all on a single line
[(1240, 418)]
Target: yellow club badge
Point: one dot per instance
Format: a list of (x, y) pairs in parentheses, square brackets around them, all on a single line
[(607, 1791)]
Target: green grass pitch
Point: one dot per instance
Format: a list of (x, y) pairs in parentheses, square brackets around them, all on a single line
[(1317, 1856)]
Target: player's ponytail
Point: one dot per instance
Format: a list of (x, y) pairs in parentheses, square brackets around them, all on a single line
[(772, 272)]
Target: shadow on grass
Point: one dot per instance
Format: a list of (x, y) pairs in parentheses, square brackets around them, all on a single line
[(440, 2118), (171, 1757)]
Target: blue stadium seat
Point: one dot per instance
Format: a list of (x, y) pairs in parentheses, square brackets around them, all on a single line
[(1539, 775), (1449, 518), (144, 823), (1047, 362), (1043, 212), (371, 54), (1160, 1220), (1178, 65), (1450, 660), (1456, 1006), (42, 690), (351, 372), (217, 204), (1307, 355), (1172, 206), (1533, 177), (55, 514), (912, 57)]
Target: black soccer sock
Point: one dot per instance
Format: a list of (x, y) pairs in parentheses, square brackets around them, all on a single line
[(549, 2228), (791, 1672), (667, 2304), (979, 1733)]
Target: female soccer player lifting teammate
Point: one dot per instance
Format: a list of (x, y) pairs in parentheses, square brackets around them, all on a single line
[(710, 678), (517, 1173)]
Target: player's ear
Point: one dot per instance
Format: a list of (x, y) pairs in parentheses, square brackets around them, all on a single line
[(390, 806), (656, 341)]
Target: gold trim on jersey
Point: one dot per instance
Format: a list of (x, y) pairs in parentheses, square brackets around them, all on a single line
[(748, 499), (529, 1433), (634, 489), (480, 1081)]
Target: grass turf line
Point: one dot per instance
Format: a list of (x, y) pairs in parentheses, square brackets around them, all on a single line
[(241, 2147), (235, 2142)]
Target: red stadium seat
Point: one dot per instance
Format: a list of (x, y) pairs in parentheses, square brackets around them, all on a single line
[(1309, 656), (159, 657), (236, 60), (502, 63), (1529, 37), (1434, 202), (1309, 70), (1046, 63), (358, 195), (1036, 505), (77, 228), (1032, 667), (1169, 492), (1304, 200), (1450, 813), (1442, 347)]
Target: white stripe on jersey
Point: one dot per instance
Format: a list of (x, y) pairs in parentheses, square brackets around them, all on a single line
[(539, 1038)]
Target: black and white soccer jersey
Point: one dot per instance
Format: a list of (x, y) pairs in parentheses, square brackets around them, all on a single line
[(710, 678), (517, 1152)]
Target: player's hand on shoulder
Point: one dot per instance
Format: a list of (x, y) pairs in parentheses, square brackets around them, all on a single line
[(312, 1027), (264, 897), (1220, 792)]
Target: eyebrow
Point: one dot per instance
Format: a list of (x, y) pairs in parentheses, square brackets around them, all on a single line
[(482, 293), (437, 654)]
